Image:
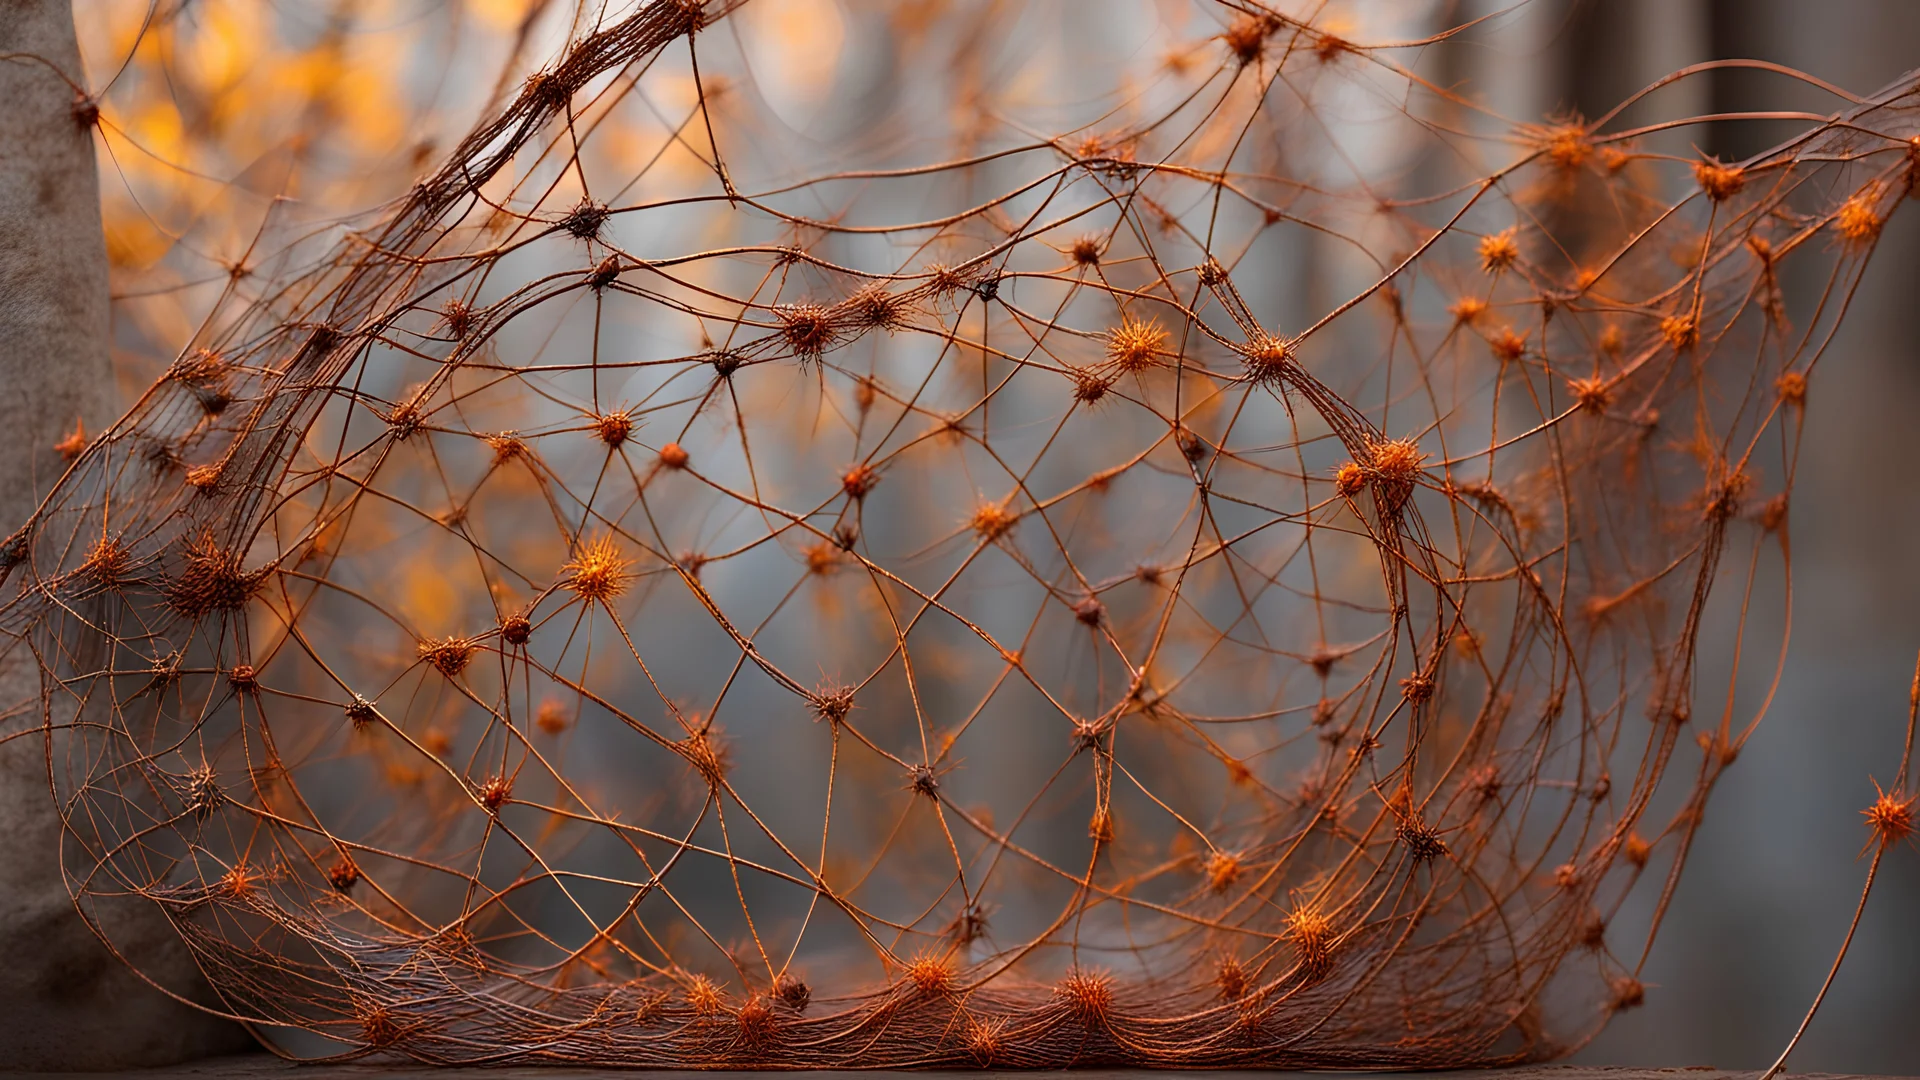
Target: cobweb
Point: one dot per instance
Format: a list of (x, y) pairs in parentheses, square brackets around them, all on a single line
[(1177, 561)]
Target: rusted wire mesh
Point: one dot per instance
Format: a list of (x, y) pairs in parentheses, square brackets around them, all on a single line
[(959, 594)]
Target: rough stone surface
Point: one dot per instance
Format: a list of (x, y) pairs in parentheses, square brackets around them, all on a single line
[(65, 1001)]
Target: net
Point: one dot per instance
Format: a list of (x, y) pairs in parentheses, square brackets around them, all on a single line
[(1098, 559)]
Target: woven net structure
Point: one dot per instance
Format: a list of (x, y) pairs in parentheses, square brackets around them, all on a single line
[(958, 592)]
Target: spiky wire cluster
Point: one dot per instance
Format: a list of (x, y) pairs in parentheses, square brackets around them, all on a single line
[(1309, 696)]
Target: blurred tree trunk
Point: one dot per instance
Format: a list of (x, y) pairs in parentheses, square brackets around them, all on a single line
[(65, 1001)]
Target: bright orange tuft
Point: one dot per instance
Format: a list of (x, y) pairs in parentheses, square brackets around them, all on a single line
[(1135, 345), (930, 974), (1100, 827), (377, 1026), (240, 881), (704, 996), (808, 329), (859, 480), (597, 572), (1329, 48), (1568, 146), (985, 1039), (495, 791), (1311, 932), (1680, 331), (1223, 869), (1417, 688), (70, 447), (1349, 480), (1396, 459), (1859, 220), (343, 875), (107, 563), (991, 521), (1089, 386), (1499, 251), (203, 477), (1268, 359), (613, 428), (506, 446), (1468, 309), (551, 717), (1239, 774), (1792, 388), (709, 754), (448, 656), (1593, 395), (1720, 182), (1890, 817), (1089, 994), (756, 1021), (1232, 978), (1508, 346), (873, 306), (822, 558), (1247, 37)]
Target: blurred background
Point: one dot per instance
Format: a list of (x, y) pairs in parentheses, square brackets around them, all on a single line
[(1774, 874)]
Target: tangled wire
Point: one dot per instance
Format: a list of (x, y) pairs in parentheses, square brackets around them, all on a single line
[(947, 597)]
